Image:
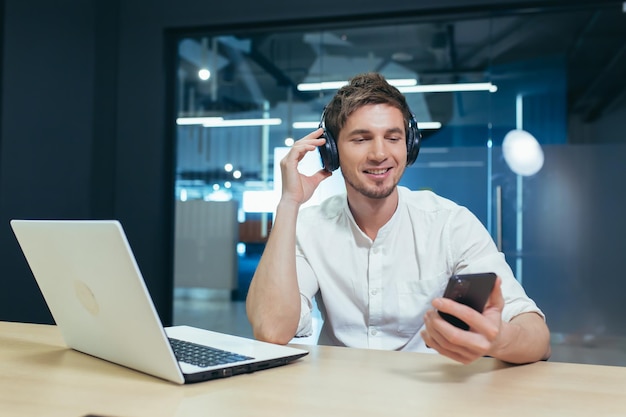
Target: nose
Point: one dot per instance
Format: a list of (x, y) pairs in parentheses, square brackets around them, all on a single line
[(378, 150)]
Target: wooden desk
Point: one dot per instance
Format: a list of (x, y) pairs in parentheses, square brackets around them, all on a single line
[(39, 376)]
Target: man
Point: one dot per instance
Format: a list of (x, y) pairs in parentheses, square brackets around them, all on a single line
[(377, 258)]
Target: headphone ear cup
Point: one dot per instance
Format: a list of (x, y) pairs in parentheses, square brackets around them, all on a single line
[(329, 153), (413, 139)]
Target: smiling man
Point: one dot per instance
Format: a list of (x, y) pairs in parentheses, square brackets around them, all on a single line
[(377, 258)]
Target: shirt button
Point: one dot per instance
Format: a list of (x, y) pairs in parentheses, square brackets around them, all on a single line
[(374, 332), (374, 292), (375, 251)]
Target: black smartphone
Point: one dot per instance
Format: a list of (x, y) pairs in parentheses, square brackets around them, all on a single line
[(472, 290)]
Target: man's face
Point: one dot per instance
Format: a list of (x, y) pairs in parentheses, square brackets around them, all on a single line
[(372, 150)]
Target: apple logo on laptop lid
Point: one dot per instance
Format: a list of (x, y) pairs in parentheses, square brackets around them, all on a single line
[(86, 297)]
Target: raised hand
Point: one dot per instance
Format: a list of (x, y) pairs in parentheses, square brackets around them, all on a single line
[(297, 187)]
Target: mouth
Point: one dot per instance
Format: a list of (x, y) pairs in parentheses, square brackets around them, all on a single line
[(380, 171)]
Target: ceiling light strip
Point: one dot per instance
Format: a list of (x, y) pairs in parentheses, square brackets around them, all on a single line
[(408, 86), (335, 85), (220, 122), (182, 121), (445, 88)]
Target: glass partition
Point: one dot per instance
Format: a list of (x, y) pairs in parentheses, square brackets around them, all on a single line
[(474, 83)]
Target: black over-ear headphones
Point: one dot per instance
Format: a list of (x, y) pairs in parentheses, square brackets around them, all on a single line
[(330, 155)]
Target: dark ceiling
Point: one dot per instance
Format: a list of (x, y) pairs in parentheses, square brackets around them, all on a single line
[(257, 66)]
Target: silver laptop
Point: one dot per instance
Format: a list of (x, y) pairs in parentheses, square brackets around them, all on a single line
[(90, 280)]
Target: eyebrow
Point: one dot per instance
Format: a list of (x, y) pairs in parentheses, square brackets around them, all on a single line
[(364, 131)]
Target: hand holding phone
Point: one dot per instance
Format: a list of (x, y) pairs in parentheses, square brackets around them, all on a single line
[(472, 290)]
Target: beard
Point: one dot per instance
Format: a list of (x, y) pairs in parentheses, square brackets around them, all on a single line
[(374, 191)]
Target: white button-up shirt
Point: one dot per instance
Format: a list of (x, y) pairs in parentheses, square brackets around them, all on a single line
[(373, 294)]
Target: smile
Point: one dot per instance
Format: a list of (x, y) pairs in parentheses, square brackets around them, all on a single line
[(376, 171)]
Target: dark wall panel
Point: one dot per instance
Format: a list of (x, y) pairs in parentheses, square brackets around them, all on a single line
[(47, 98)]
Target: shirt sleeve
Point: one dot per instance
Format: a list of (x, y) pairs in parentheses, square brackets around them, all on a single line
[(473, 248), (308, 288)]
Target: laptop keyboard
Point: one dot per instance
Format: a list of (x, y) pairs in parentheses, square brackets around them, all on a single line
[(203, 356)]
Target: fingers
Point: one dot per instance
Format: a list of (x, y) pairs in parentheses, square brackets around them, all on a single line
[(461, 345), (320, 176), (302, 146), (316, 134), (296, 186), (313, 139), (457, 344), (460, 356), (458, 310)]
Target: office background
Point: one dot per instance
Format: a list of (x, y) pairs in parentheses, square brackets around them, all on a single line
[(87, 132)]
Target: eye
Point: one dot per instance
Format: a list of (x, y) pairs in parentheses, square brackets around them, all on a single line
[(359, 140)]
